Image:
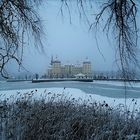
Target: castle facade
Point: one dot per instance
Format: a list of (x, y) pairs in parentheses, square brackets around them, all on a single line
[(57, 70)]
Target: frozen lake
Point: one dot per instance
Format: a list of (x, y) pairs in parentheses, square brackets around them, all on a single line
[(103, 88)]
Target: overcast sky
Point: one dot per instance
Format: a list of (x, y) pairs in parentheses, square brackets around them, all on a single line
[(70, 42)]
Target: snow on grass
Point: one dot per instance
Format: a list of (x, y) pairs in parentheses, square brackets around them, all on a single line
[(66, 120), (67, 93)]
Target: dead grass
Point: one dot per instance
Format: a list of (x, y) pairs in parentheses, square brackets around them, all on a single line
[(65, 120)]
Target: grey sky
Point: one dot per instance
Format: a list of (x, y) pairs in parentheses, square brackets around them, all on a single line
[(71, 43)]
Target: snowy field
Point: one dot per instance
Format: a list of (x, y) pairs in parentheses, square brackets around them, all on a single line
[(69, 94)]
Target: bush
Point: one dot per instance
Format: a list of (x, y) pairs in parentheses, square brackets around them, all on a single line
[(65, 119)]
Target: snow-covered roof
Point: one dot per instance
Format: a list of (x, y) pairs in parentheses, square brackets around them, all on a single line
[(80, 75)]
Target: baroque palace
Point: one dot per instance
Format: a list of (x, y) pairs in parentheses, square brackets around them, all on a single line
[(57, 70)]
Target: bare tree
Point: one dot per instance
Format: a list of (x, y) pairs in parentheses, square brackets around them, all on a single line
[(18, 18), (18, 21), (122, 20), (120, 16)]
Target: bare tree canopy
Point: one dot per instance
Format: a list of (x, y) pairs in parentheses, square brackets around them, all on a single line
[(122, 20), (120, 16), (18, 18)]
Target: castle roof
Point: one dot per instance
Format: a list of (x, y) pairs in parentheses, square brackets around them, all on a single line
[(56, 61), (86, 62)]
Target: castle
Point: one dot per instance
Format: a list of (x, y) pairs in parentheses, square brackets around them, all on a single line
[(58, 70)]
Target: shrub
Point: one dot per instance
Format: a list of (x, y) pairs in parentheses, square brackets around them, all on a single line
[(65, 119)]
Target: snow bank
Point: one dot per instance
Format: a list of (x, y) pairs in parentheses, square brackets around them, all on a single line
[(67, 93)]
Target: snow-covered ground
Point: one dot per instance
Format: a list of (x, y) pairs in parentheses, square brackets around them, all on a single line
[(68, 93)]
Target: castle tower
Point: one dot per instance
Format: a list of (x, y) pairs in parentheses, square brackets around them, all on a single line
[(56, 68), (87, 67)]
